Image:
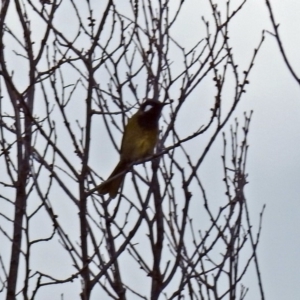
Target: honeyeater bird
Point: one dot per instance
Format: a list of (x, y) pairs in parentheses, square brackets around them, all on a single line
[(139, 140)]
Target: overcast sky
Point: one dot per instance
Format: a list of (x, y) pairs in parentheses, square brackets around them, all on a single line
[(274, 160)]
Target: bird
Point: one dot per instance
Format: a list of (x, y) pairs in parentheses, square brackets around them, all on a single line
[(139, 140)]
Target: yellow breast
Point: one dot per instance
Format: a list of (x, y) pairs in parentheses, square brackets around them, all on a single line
[(138, 142)]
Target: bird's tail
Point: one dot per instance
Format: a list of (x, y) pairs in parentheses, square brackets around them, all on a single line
[(112, 184)]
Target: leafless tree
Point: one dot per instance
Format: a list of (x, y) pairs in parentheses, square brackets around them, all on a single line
[(72, 72)]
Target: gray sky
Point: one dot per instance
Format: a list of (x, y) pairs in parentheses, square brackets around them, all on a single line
[(274, 161)]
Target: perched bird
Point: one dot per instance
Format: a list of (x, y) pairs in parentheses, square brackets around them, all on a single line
[(139, 140)]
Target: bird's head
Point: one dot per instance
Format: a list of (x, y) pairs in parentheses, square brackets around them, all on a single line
[(149, 112)]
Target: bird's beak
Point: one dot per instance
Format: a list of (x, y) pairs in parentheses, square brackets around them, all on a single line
[(168, 102)]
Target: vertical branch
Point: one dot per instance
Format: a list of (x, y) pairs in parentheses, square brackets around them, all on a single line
[(157, 247), (86, 152), (82, 194), (117, 283), (23, 111)]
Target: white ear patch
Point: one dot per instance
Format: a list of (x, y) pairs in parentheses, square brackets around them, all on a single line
[(148, 107)]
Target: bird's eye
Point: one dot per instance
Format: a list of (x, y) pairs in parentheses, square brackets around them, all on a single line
[(148, 107)]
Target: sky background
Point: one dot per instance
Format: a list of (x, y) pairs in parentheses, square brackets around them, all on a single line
[(273, 160)]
